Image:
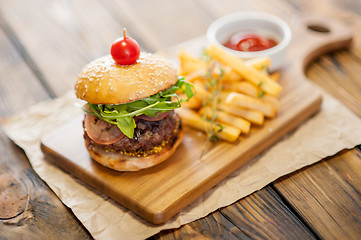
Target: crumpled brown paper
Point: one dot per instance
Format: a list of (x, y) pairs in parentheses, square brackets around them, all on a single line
[(334, 128)]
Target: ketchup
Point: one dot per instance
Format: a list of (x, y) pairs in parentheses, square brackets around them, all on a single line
[(249, 42)]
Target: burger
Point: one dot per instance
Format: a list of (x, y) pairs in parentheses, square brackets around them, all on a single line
[(130, 122)]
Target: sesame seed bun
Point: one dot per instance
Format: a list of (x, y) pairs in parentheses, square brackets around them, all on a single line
[(105, 82)]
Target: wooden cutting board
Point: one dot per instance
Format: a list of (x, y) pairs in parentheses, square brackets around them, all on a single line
[(160, 192)]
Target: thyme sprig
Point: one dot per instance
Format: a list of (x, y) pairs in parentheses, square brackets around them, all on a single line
[(261, 92), (213, 83)]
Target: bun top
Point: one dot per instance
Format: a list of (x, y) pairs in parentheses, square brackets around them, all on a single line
[(103, 81)]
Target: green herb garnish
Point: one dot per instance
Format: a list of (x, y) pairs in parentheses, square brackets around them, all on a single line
[(122, 114), (213, 85), (261, 91)]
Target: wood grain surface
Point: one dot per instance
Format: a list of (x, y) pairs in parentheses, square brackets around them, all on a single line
[(331, 201), (263, 215), (44, 45)]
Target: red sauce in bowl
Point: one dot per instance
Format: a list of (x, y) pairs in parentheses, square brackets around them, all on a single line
[(249, 42)]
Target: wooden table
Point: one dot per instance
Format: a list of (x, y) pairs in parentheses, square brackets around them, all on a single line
[(45, 44)]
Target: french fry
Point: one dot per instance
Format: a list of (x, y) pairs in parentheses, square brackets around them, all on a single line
[(194, 120), (275, 76), (271, 100), (230, 75), (194, 103), (243, 92), (190, 64), (243, 87), (260, 63), (194, 76), (224, 94), (254, 116), (248, 72), (241, 100), (201, 90), (224, 117)]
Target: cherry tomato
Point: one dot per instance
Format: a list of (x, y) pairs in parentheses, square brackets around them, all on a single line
[(125, 50), (249, 42)]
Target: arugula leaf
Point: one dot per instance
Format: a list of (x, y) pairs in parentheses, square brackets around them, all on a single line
[(127, 126), (122, 114)]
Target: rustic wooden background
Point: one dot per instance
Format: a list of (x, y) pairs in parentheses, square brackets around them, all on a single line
[(45, 44)]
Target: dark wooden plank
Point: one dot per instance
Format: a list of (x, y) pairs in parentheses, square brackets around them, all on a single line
[(162, 24), (13, 195), (327, 195), (347, 11), (28, 208), (214, 226), (339, 74), (324, 194), (19, 88), (63, 38), (262, 215), (349, 5)]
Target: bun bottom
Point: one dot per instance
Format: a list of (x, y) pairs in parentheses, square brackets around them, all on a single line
[(120, 162)]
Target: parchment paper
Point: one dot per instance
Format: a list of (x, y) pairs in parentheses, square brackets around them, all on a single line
[(332, 129)]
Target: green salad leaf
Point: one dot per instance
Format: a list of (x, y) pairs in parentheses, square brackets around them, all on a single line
[(122, 114)]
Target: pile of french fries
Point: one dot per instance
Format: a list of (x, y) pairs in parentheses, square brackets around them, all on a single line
[(231, 94)]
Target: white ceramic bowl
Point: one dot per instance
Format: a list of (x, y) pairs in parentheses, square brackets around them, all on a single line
[(220, 31)]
